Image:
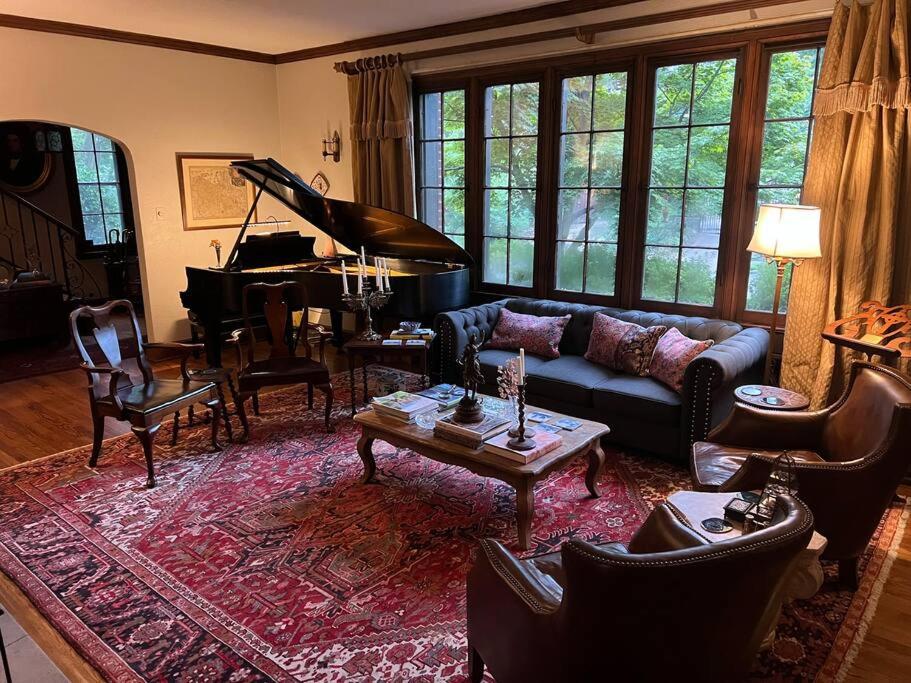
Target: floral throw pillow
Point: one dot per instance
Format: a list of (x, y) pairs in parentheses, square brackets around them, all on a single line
[(536, 334), (622, 346), (672, 354)]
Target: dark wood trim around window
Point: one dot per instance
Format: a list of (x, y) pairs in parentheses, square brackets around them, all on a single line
[(750, 47)]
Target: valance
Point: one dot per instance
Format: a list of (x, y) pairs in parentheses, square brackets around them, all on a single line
[(379, 99)]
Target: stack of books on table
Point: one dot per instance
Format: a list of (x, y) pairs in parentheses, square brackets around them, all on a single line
[(423, 333), (471, 435), (447, 395), (403, 406), (546, 442)]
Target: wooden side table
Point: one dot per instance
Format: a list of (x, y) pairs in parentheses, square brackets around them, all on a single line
[(771, 398), (372, 351)]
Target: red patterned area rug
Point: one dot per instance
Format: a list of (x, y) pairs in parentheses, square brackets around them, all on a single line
[(270, 561)]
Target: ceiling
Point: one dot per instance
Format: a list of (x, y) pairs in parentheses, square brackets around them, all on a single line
[(270, 26)]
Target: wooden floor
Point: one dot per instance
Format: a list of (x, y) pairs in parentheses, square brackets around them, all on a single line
[(44, 415)]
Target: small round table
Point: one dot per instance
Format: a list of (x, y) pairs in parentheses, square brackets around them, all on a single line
[(771, 398)]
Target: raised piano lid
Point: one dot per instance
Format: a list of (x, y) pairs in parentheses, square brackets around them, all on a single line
[(381, 232)]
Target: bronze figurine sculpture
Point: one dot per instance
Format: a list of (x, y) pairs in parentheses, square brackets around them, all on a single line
[(469, 409)]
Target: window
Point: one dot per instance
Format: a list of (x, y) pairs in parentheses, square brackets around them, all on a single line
[(98, 180), (592, 122), (787, 130), (625, 177), (690, 131), (442, 179), (510, 178)]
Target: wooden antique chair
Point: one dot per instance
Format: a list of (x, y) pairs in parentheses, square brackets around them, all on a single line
[(121, 383), (276, 303)]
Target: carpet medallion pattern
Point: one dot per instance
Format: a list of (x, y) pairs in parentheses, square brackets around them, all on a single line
[(271, 561)]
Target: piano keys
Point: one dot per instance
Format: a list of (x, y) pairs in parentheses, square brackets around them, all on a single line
[(429, 272)]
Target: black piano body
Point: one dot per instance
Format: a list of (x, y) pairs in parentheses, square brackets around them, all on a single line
[(429, 272)]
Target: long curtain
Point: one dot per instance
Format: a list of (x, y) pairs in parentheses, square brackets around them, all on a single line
[(379, 103), (860, 176)]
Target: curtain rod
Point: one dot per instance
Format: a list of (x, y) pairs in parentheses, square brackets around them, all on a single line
[(369, 63), (584, 33)]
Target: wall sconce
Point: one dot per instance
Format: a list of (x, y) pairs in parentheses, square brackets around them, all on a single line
[(333, 147)]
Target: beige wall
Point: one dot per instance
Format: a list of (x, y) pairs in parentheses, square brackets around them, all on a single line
[(155, 103)]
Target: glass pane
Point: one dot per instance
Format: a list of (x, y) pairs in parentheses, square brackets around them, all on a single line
[(496, 217), (574, 157), (454, 114), (659, 277), (601, 272), (525, 109), (521, 262), (791, 84), (458, 239), (94, 228), (607, 159), (604, 216), (779, 195), (431, 160), (610, 101), (497, 174), (454, 211), (432, 209), (570, 257), (431, 124), (698, 268), (571, 219), (110, 198), (522, 213), (524, 169), (761, 288), (577, 104), (103, 144), (454, 164), (665, 212), (496, 112), (107, 167), (784, 150), (713, 91), (673, 85), (702, 227), (495, 260), (668, 157), (82, 140), (85, 167), (113, 221), (708, 156), (89, 199)]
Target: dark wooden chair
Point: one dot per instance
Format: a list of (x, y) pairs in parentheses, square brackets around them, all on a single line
[(121, 383), (276, 303)]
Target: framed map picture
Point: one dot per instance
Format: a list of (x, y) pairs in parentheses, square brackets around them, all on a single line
[(212, 194)]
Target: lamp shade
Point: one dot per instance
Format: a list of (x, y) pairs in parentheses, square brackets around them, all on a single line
[(786, 231)]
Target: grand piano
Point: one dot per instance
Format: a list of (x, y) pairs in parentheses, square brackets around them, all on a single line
[(428, 271)]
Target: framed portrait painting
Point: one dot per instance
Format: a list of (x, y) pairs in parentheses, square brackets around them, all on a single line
[(212, 194), (24, 166)]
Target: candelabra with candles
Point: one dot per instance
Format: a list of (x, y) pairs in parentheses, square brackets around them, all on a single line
[(521, 439), (367, 298)]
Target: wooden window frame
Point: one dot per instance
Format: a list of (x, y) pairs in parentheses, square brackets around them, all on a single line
[(640, 61)]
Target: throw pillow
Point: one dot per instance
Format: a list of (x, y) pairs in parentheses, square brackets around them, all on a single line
[(672, 354), (537, 334), (623, 346)]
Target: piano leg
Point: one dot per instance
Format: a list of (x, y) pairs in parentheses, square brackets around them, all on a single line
[(213, 344), (335, 318)]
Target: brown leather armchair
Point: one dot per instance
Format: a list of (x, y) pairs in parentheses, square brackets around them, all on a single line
[(850, 456), (668, 603)]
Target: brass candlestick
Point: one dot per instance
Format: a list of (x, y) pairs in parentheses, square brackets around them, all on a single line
[(521, 441), (364, 301)]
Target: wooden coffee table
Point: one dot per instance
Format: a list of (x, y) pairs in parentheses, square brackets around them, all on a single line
[(583, 441)]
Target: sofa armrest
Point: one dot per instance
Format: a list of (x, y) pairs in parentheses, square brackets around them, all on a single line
[(710, 380), (453, 330)]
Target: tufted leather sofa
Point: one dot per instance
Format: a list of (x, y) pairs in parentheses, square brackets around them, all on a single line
[(641, 412)]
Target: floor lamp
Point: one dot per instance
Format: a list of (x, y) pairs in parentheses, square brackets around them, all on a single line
[(784, 234)]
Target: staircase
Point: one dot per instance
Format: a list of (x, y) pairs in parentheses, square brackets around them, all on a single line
[(32, 239)]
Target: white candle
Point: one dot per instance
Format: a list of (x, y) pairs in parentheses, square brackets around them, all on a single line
[(378, 272), (521, 366), (360, 277), (386, 274), (344, 278), (363, 256)]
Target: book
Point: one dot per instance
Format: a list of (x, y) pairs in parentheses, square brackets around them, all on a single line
[(546, 442), (421, 333), (416, 342), (392, 342), (403, 405), (471, 435), (447, 395)]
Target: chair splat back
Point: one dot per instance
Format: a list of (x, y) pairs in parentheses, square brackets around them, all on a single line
[(278, 302)]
